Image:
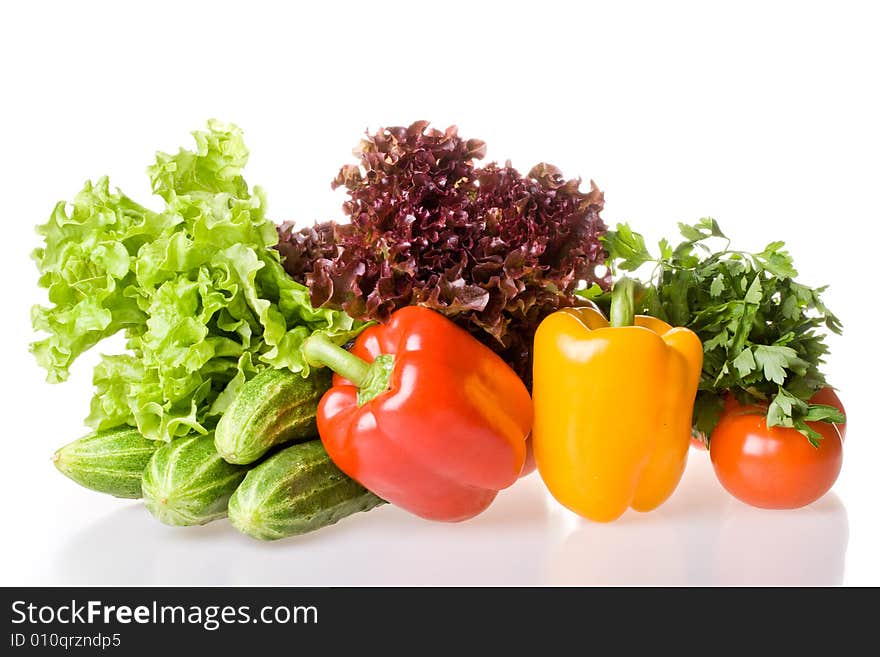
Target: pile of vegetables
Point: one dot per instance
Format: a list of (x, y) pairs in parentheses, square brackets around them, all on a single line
[(762, 331), (772, 423), (206, 308), (456, 283)]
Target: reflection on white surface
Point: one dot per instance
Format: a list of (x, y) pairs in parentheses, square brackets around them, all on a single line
[(701, 536), (806, 547), (383, 547), (618, 554)]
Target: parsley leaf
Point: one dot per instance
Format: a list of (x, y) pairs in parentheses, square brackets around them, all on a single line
[(774, 360), (627, 250), (745, 362), (763, 332)]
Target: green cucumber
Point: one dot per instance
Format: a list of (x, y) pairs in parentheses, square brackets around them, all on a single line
[(275, 407), (188, 483), (295, 491), (107, 461)]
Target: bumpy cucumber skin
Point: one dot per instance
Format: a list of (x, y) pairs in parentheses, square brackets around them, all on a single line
[(188, 483), (275, 407), (109, 461), (295, 491)]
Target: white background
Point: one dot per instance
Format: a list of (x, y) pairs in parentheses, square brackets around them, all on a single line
[(763, 115)]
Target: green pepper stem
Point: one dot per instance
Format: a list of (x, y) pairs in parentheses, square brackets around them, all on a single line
[(321, 352), (622, 303), (371, 379)]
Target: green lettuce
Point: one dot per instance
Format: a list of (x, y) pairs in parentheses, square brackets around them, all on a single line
[(199, 293)]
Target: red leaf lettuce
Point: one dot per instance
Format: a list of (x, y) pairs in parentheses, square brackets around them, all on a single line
[(491, 249)]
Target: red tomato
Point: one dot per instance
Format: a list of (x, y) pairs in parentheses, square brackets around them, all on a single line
[(773, 467), (828, 397)]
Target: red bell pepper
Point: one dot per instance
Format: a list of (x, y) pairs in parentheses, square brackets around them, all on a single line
[(423, 415)]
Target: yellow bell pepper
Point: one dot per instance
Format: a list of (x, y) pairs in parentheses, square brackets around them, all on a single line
[(613, 406)]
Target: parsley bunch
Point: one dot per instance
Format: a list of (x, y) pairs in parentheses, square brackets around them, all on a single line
[(763, 332)]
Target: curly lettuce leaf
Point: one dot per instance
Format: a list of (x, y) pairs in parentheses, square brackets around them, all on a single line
[(86, 264), (197, 289), (492, 249)]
